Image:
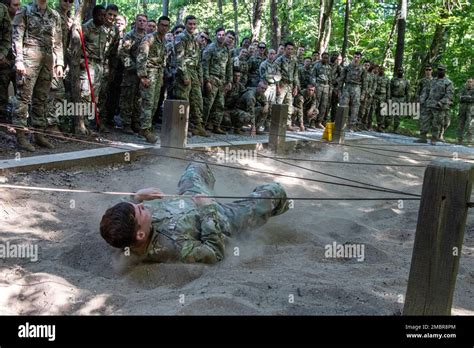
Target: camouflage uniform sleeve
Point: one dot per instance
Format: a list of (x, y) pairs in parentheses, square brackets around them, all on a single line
[(210, 248), (228, 68), (124, 47), (180, 52), (142, 56), (424, 95), (296, 80), (206, 61), (342, 79), (465, 96), (447, 99), (6, 32), (18, 33), (364, 82), (58, 52)]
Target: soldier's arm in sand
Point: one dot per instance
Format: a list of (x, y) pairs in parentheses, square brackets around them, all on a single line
[(148, 194)]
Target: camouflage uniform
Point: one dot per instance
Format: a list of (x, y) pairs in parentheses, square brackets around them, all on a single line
[(336, 71), (189, 233), (150, 64), (230, 102), (438, 98), (354, 84), (58, 90), (95, 43), (170, 69), (189, 68), (422, 84), (322, 74), (254, 70), (37, 42), (399, 88), (369, 104), (129, 96), (305, 75), (243, 65), (306, 107), (5, 62), (252, 108), (288, 68), (382, 93), (271, 75), (217, 70), (466, 113)]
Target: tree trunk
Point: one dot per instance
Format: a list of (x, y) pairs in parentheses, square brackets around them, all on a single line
[(145, 7), (219, 11), (166, 7), (75, 49), (285, 19), (346, 29), (257, 18), (236, 21), (275, 32), (324, 30), (180, 15), (389, 41), (401, 26)]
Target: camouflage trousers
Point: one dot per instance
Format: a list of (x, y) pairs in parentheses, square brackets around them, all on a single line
[(33, 88), (466, 124), (322, 104), (242, 118), (285, 96), (270, 95), (95, 70), (304, 113), (56, 97), (334, 103), (103, 95), (150, 97), (395, 119), (6, 76), (436, 119), (239, 216), (191, 93), (382, 120), (130, 98), (213, 102), (351, 97), (366, 110)]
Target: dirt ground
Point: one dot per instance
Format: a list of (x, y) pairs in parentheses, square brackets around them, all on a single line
[(281, 268)]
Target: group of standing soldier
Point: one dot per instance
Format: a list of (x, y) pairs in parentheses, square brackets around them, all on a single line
[(228, 88)]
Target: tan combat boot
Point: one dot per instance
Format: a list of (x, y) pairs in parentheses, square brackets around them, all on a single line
[(42, 141), (218, 130), (199, 130), (22, 142), (149, 135)]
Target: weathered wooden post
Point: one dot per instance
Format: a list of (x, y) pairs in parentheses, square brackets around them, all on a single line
[(338, 133), (439, 236), (276, 139), (175, 126)]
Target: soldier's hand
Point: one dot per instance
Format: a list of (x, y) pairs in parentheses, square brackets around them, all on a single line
[(145, 82), (58, 70), (253, 131), (70, 22), (186, 82), (295, 91), (148, 194), (362, 98), (20, 68), (207, 87), (227, 87)]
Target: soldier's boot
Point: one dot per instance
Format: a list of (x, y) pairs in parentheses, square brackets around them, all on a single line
[(22, 142), (103, 128), (302, 129), (290, 128), (136, 127), (128, 130), (54, 130), (319, 125), (218, 130), (149, 135), (40, 140), (198, 129), (421, 139), (239, 131), (459, 142)]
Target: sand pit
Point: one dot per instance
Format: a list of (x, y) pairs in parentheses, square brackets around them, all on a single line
[(281, 268)]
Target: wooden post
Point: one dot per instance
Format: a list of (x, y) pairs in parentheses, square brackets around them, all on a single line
[(175, 125), (338, 133), (276, 139), (439, 235)]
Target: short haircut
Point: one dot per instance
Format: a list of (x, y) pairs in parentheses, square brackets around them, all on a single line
[(119, 225), (141, 15), (309, 58), (97, 9), (189, 18), (230, 32), (123, 17), (242, 42), (236, 70), (176, 27), (324, 54), (163, 18), (366, 61), (151, 21), (289, 43), (219, 30), (112, 7), (303, 46), (358, 53)]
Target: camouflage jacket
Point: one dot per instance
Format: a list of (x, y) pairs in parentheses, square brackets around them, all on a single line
[(5, 32), (233, 95), (216, 61), (95, 41), (422, 84), (254, 65), (466, 95), (382, 92), (33, 32), (309, 100), (322, 73), (111, 41), (336, 72), (128, 50), (439, 95), (354, 75), (305, 76), (151, 54), (269, 72), (188, 55), (371, 84), (289, 70), (399, 88), (250, 99)]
